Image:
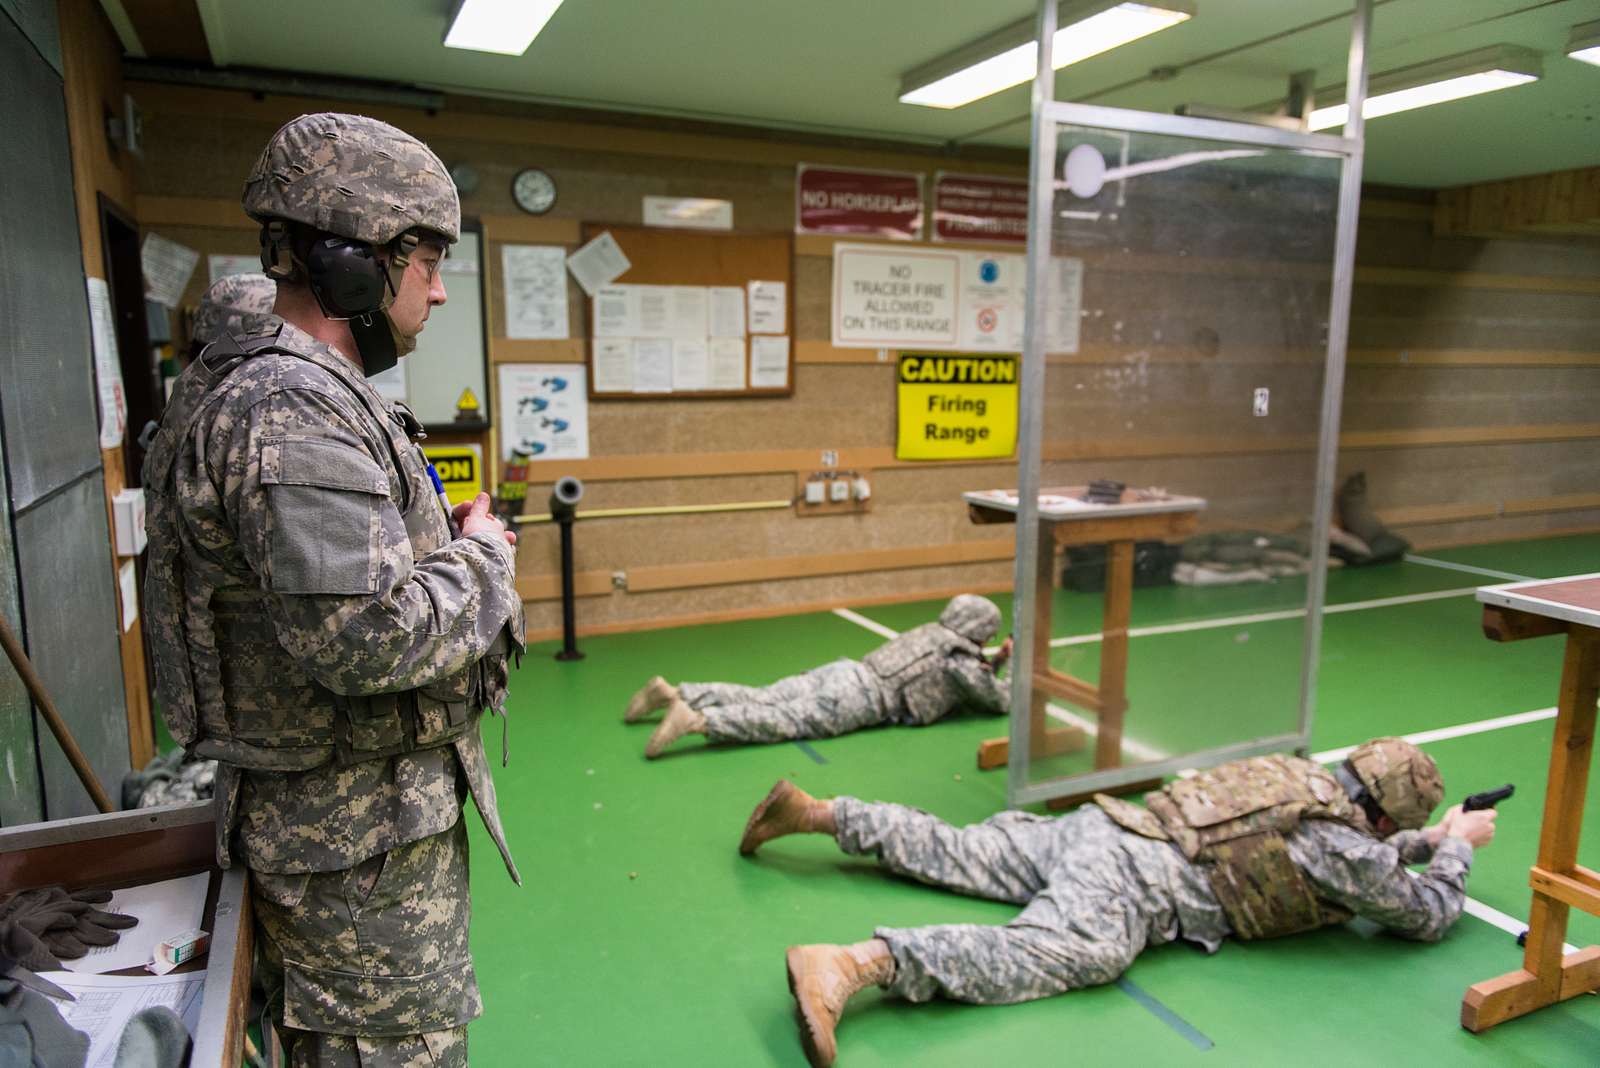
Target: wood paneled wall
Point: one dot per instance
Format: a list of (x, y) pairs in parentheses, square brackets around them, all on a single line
[(1471, 382)]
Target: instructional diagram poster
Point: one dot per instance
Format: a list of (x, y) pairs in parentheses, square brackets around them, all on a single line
[(886, 297), (544, 410), (956, 407)]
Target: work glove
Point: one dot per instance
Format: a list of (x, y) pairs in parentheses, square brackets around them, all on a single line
[(41, 928)]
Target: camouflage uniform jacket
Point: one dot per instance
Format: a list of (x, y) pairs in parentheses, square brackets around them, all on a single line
[(314, 626), (929, 671)]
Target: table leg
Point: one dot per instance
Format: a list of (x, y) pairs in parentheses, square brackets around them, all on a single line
[(1114, 653), (1546, 976)]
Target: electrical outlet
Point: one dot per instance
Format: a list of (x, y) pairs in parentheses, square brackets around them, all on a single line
[(862, 489), (1260, 403), (816, 491), (619, 580), (830, 458), (839, 490)]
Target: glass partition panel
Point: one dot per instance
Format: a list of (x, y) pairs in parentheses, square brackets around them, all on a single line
[(1187, 312)]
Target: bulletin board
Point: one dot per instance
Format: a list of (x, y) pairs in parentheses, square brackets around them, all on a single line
[(664, 257)]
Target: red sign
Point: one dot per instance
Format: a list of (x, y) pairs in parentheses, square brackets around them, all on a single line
[(837, 200), (973, 207)]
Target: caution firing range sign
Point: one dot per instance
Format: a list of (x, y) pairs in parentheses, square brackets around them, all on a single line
[(460, 468), (956, 407)]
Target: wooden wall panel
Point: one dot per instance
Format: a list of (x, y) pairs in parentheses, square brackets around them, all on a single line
[(1469, 387)]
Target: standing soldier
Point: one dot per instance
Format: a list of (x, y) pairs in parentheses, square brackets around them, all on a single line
[(921, 676), (318, 625), (1255, 848)]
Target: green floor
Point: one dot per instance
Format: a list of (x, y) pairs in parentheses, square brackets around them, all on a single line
[(641, 937)]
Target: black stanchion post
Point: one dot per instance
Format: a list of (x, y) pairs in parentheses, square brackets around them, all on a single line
[(564, 510)]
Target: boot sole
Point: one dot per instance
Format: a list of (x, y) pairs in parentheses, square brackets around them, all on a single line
[(746, 846), (805, 1022), (639, 705)]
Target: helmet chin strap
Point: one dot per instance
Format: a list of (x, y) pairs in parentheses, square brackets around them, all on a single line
[(378, 340)]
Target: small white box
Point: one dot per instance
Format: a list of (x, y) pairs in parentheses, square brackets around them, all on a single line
[(862, 489), (816, 492), (128, 509), (839, 490)]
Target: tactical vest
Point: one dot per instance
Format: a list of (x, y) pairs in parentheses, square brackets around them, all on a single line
[(911, 668), (1231, 821), (228, 690)]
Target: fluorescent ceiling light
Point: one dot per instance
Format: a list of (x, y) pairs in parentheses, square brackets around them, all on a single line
[(505, 27), (1010, 56), (1584, 43), (1469, 74)]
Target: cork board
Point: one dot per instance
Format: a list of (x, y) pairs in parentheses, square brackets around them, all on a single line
[(664, 257)]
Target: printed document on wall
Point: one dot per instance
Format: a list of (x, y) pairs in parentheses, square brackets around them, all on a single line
[(727, 311), (727, 363), (769, 305), (167, 268), (769, 362), (535, 291), (219, 266), (107, 365), (613, 365), (544, 408), (599, 263)]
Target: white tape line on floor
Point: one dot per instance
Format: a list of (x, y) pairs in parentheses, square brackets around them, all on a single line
[(1430, 561)]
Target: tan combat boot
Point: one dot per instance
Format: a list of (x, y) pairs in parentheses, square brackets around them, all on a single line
[(654, 695), (822, 978), (679, 720), (786, 809)]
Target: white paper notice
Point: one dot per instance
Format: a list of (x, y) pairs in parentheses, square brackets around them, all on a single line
[(993, 286), (544, 408), (768, 308), (107, 365), (616, 311), (163, 909), (727, 311), (107, 1002), (613, 365), (655, 311), (690, 364), (727, 363), (652, 365), (1065, 304), (167, 268), (128, 590), (689, 312), (536, 290), (769, 362), (892, 297), (599, 263), (219, 267)]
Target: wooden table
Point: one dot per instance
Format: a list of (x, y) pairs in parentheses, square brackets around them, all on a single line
[(1064, 521), (1569, 606)]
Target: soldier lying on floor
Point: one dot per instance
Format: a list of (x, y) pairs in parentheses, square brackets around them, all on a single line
[(1256, 848), (923, 675)]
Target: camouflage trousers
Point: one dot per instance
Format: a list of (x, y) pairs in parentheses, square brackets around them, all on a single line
[(1095, 896), (369, 967), (826, 701)]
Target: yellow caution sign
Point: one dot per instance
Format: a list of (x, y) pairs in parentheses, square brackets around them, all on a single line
[(460, 468), (956, 407), (467, 407)]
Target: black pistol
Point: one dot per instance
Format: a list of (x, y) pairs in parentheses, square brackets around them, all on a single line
[(1487, 799)]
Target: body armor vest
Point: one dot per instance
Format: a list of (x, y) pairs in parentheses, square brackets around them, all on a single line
[(911, 668), (1231, 821), (228, 690)]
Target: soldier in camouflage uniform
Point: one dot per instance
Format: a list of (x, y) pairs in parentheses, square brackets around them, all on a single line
[(923, 675), (233, 306), (1257, 848), (320, 626)]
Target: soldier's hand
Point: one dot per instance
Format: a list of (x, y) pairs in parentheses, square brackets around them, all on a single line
[(477, 519), (1003, 653), (1476, 827)]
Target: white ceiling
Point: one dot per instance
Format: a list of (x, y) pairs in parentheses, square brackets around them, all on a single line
[(835, 65)]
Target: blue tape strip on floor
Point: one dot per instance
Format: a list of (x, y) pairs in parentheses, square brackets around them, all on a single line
[(810, 752), (1166, 1015)]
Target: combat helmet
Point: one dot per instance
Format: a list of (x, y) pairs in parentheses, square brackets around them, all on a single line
[(374, 188), (974, 618), (1399, 778), (224, 307)]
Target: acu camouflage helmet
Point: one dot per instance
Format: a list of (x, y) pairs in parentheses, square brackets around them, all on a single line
[(223, 309), (974, 618), (1402, 779), (355, 177)]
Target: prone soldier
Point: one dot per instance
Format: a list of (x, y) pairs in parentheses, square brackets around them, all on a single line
[(1255, 848), (315, 627), (921, 676)]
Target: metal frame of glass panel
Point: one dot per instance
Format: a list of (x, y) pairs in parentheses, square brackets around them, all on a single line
[(1048, 113)]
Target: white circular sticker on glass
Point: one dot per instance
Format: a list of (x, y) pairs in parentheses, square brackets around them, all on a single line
[(1085, 170)]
